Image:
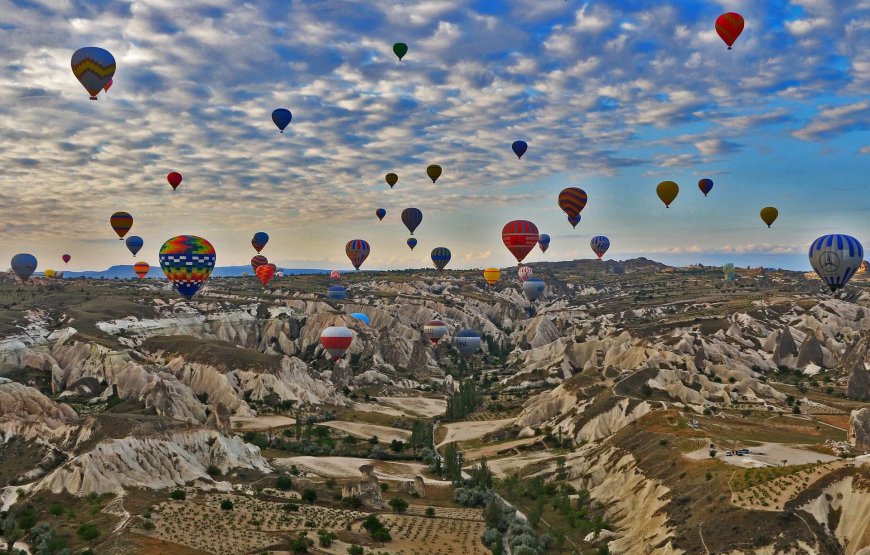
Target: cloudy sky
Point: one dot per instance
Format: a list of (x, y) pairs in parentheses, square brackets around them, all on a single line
[(611, 96)]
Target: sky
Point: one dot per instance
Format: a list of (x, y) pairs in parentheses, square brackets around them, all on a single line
[(611, 96)]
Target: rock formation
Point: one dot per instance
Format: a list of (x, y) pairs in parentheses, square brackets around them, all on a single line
[(367, 489), (859, 429)]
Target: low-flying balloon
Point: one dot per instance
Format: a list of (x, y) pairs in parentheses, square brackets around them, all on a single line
[(361, 317), (412, 242), (544, 242), (49, 273), (336, 341), (440, 257), (187, 261), (520, 237), (400, 49), (706, 185), (24, 265), (257, 261), (141, 269), (412, 217), (66, 258), (519, 148), (134, 244), (667, 192), (599, 245), (467, 342), (259, 241), (492, 275), (94, 68), (174, 179), (729, 26), (336, 293), (121, 222), (357, 251), (434, 330), (380, 213), (391, 179), (335, 274), (525, 272), (282, 118), (533, 288), (265, 273), (434, 172), (769, 215), (836, 258)]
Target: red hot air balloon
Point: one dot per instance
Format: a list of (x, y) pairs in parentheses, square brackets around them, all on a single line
[(265, 273), (434, 330), (729, 26), (357, 251), (335, 274), (520, 237), (174, 179), (258, 261), (141, 269), (336, 341), (66, 258)]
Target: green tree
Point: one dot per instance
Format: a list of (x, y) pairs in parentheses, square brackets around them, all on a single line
[(301, 543), (178, 495), (398, 504), (326, 538), (430, 512), (355, 550), (309, 495), (88, 532), (492, 513), (226, 505), (284, 482)]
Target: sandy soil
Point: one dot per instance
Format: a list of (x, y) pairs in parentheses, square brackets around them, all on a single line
[(381, 409), (259, 423), (348, 467), (774, 455), (493, 450), (501, 468), (366, 431), (416, 406), (466, 431)]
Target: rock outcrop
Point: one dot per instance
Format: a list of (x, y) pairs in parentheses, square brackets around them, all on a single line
[(858, 387), (859, 429), (367, 489)]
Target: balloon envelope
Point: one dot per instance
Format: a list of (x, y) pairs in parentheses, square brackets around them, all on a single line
[(574, 220), (335, 274), (533, 288), (836, 258), (357, 251), (412, 217), (434, 172), (187, 261), (525, 272), (265, 273), (259, 241), (380, 213), (572, 201), (769, 215), (667, 191), (174, 179), (440, 257), (391, 179), (336, 292), (467, 342), (24, 265), (492, 275), (599, 245), (706, 185), (94, 68), (434, 330), (412, 242), (141, 269), (336, 340), (520, 237), (282, 117), (66, 258), (134, 244), (544, 242), (361, 317), (258, 261), (49, 273), (729, 26), (121, 222), (400, 49), (519, 148)]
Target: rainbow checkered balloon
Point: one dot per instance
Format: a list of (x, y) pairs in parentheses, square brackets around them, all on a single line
[(187, 261)]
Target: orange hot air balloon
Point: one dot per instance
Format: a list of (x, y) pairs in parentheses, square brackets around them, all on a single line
[(141, 269), (121, 222), (667, 191), (492, 275), (265, 273)]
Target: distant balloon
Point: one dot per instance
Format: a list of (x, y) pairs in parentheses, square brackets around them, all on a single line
[(572, 201), (259, 241), (520, 237), (769, 215), (94, 68), (729, 26), (667, 191), (141, 269), (49, 273), (706, 185), (599, 245), (412, 217), (400, 49), (492, 275), (434, 330), (467, 342), (187, 261), (282, 117), (519, 148), (533, 288), (265, 273), (380, 213), (336, 340), (258, 261), (335, 274), (336, 293), (121, 222), (525, 272), (361, 317), (412, 242), (574, 221), (440, 257), (24, 265), (134, 244), (836, 258), (66, 258), (174, 179), (434, 172), (357, 251), (391, 179), (544, 242)]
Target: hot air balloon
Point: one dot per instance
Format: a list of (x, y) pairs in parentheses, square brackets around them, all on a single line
[(574, 220), (434, 172), (533, 288), (572, 201), (836, 258), (259, 240), (265, 273), (187, 261), (282, 117), (467, 342), (599, 245), (174, 179), (667, 191), (141, 269), (380, 213), (121, 223), (400, 49), (134, 244), (729, 26), (434, 330), (728, 272), (520, 237), (412, 217), (544, 242), (336, 293), (519, 148), (108, 85), (706, 185), (66, 258), (525, 272), (769, 215), (335, 274), (412, 242), (357, 251), (49, 274), (492, 275), (440, 257), (336, 340), (93, 67), (257, 261), (24, 265), (361, 317), (391, 179)]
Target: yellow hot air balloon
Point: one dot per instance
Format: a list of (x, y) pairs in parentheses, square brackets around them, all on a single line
[(769, 214), (48, 273), (667, 191), (492, 275)]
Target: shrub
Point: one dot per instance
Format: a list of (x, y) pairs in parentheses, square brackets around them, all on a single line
[(355, 550), (326, 538), (226, 505), (148, 525), (291, 507), (88, 532), (178, 495), (56, 509), (353, 502), (284, 482), (309, 495), (213, 471), (398, 504), (430, 512)]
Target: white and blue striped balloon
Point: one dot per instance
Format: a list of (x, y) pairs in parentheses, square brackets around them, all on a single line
[(599, 245), (836, 258)]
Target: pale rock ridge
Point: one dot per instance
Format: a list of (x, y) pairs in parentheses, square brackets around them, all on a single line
[(859, 429)]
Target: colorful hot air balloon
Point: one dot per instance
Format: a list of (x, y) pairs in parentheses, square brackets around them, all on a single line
[(836, 258), (336, 341), (24, 265), (440, 257), (434, 172), (66, 258), (134, 244), (525, 272), (729, 26), (336, 293), (492, 275), (121, 222), (769, 215), (434, 330), (335, 274), (667, 191), (544, 242), (599, 245), (520, 237), (259, 241), (93, 67), (257, 261), (412, 242), (391, 179), (572, 201), (361, 317), (174, 179), (574, 220), (380, 213), (706, 185), (412, 217), (519, 148), (357, 251), (187, 261), (265, 273), (533, 288), (467, 342), (282, 117), (400, 49), (141, 269)]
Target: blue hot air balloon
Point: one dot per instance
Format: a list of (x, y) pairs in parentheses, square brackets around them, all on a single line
[(24, 265), (467, 342), (361, 317), (836, 258), (282, 117), (412, 242), (544, 242), (336, 292), (134, 244), (599, 245), (440, 257), (412, 217), (380, 213), (520, 148), (259, 241), (534, 288), (574, 220), (706, 185)]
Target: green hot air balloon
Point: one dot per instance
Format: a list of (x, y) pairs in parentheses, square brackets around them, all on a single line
[(400, 48)]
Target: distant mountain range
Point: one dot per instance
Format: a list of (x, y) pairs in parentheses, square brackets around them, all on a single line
[(126, 271)]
